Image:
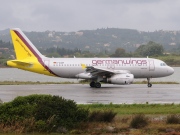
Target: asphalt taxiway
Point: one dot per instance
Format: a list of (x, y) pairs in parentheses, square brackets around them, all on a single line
[(83, 94)]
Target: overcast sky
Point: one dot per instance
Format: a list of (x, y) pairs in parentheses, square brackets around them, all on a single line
[(74, 15)]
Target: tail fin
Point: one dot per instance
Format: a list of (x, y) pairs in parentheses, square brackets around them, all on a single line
[(23, 47), (27, 56)]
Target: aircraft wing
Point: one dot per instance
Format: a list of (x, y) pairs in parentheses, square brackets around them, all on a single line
[(102, 71)]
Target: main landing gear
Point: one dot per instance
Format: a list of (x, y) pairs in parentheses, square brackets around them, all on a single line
[(95, 84), (149, 84)]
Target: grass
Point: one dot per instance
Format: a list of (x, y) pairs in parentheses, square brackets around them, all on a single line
[(129, 109), (139, 121), (155, 114), (30, 82)]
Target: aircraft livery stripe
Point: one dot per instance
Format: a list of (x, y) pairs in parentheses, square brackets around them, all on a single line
[(34, 52)]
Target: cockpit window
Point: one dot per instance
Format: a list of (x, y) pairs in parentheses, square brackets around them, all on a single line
[(163, 64)]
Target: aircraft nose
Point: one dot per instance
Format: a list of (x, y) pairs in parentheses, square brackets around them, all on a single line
[(170, 70)]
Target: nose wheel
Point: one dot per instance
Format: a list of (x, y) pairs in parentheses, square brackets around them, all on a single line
[(149, 84)]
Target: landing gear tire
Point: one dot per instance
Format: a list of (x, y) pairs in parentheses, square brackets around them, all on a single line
[(98, 85), (149, 85), (92, 84)]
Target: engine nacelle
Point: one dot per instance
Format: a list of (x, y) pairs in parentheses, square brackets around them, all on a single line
[(122, 79)]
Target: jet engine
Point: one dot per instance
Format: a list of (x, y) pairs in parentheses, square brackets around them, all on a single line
[(122, 79)]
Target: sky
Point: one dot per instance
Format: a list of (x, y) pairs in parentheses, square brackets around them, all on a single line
[(75, 15)]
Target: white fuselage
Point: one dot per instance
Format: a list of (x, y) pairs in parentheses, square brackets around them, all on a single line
[(139, 67)]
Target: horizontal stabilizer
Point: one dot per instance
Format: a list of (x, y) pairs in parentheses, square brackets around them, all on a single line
[(20, 62)]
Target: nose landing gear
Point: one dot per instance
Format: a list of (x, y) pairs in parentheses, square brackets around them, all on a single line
[(149, 84)]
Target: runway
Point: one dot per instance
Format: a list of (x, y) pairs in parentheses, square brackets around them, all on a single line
[(83, 94)]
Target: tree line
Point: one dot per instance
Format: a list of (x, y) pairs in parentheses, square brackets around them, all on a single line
[(149, 49)]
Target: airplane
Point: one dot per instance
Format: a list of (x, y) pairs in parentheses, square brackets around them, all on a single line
[(121, 71)]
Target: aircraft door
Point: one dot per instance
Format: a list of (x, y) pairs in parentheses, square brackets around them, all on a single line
[(151, 65)]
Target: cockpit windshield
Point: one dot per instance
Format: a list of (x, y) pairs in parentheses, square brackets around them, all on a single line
[(163, 64)]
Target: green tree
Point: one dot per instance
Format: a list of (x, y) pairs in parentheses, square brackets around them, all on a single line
[(119, 52), (150, 49)]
